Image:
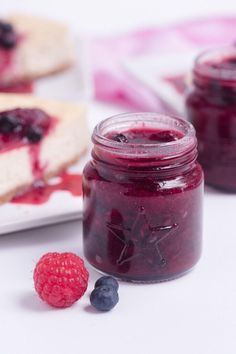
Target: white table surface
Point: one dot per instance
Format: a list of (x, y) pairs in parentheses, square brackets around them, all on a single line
[(195, 314)]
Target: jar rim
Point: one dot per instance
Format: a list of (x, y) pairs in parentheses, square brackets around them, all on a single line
[(145, 119), (202, 63)]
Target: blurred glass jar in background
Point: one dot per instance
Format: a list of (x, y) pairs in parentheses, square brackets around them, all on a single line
[(211, 108)]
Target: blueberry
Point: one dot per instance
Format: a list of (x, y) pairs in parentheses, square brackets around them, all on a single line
[(8, 40), (5, 27), (8, 123), (104, 298), (120, 138), (34, 134), (107, 280)]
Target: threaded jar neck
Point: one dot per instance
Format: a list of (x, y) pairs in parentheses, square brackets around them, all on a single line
[(161, 155), (216, 67)]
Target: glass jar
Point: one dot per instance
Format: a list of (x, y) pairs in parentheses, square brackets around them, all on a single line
[(211, 107), (143, 194)]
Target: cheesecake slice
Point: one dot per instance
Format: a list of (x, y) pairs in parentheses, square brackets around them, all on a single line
[(32, 47), (38, 139)]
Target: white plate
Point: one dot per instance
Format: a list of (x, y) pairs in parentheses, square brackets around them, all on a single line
[(72, 85), (152, 71), (61, 206)]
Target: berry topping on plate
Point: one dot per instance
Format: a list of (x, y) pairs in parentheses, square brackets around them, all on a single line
[(60, 279)]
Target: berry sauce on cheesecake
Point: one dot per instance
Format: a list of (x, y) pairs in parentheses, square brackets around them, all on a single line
[(23, 126), (8, 36), (8, 42)]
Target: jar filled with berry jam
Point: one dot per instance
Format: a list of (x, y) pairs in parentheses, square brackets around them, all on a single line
[(211, 107), (143, 194)]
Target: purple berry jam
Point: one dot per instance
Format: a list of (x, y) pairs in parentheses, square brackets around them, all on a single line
[(211, 107), (143, 198), (22, 126)]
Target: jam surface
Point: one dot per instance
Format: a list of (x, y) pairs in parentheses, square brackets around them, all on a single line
[(142, 224), (41, 192), (145, 136), (9, 40), (211, 108)]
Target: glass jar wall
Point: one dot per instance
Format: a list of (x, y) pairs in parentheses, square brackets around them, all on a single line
[(143, 194)]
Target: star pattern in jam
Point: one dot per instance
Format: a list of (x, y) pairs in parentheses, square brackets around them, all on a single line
[(142, 239)]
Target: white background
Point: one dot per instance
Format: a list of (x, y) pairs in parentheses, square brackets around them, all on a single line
[(195, 314), (104, 16)]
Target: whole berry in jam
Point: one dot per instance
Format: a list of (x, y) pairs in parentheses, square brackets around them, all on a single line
[(120, 138), (60, 279), (107, 280), (104, 298)]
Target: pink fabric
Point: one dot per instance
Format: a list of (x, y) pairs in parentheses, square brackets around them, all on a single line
[(113, 84)]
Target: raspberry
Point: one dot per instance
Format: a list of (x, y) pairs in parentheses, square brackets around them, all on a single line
[(60, 279)]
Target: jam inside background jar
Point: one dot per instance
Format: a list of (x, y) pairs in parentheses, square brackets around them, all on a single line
[(142, 217), (211, 108)]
